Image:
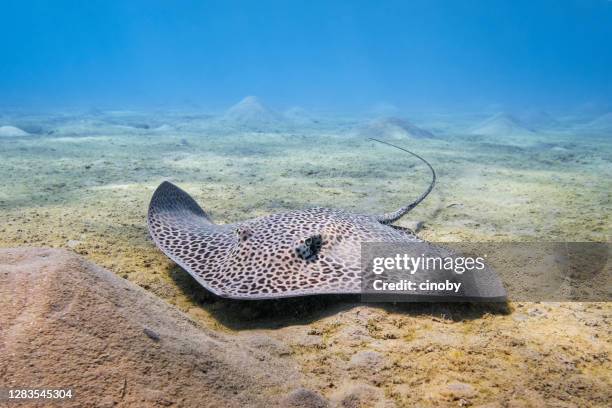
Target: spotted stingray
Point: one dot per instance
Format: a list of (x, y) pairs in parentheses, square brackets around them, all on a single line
[(306, 252)]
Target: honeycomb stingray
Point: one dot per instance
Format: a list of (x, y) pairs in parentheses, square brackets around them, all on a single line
[(307, 252)]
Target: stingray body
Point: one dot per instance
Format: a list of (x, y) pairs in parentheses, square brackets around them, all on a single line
[(297, 253)]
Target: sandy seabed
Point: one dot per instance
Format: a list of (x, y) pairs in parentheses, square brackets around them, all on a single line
[(84, 182)]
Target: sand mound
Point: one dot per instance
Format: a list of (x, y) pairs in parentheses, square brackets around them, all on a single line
[(502, 124), (252, 113), (385, 109), (539, 120), (604, 122), (394, 128), (164, 128), (300, 116), (32, 128), (12, 131), (69, 323)]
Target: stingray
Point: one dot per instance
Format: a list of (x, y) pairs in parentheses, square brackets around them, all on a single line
[(314, 251)]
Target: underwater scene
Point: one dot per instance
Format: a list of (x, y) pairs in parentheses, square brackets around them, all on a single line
[(187, 189)]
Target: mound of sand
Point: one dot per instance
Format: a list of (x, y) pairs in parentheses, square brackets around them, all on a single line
[(252, 113), (604, 122), (12, 131), (69, 323), (394, 128), (163, 128), (539, 120), (299, 116), (502, 124), (385, 109), (32, 128)]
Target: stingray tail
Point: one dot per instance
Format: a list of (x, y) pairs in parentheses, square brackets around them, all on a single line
[(390, 217)]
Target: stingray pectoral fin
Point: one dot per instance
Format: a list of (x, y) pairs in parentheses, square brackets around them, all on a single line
[(185, 233), (169, 198)]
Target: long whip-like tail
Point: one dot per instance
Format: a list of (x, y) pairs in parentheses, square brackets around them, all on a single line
[(388, 218)]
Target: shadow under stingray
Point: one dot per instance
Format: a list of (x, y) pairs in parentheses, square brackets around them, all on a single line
[(277, 313)]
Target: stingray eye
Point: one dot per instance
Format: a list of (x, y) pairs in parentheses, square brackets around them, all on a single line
[(310, 248), (243, 233)]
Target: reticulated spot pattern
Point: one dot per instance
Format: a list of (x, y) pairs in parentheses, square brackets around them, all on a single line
[(306, 252)]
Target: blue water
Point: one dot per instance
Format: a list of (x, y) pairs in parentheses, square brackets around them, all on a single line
[(553, 54)]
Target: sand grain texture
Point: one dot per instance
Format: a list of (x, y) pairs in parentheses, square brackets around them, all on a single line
[(68, 323), (86, 186)]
